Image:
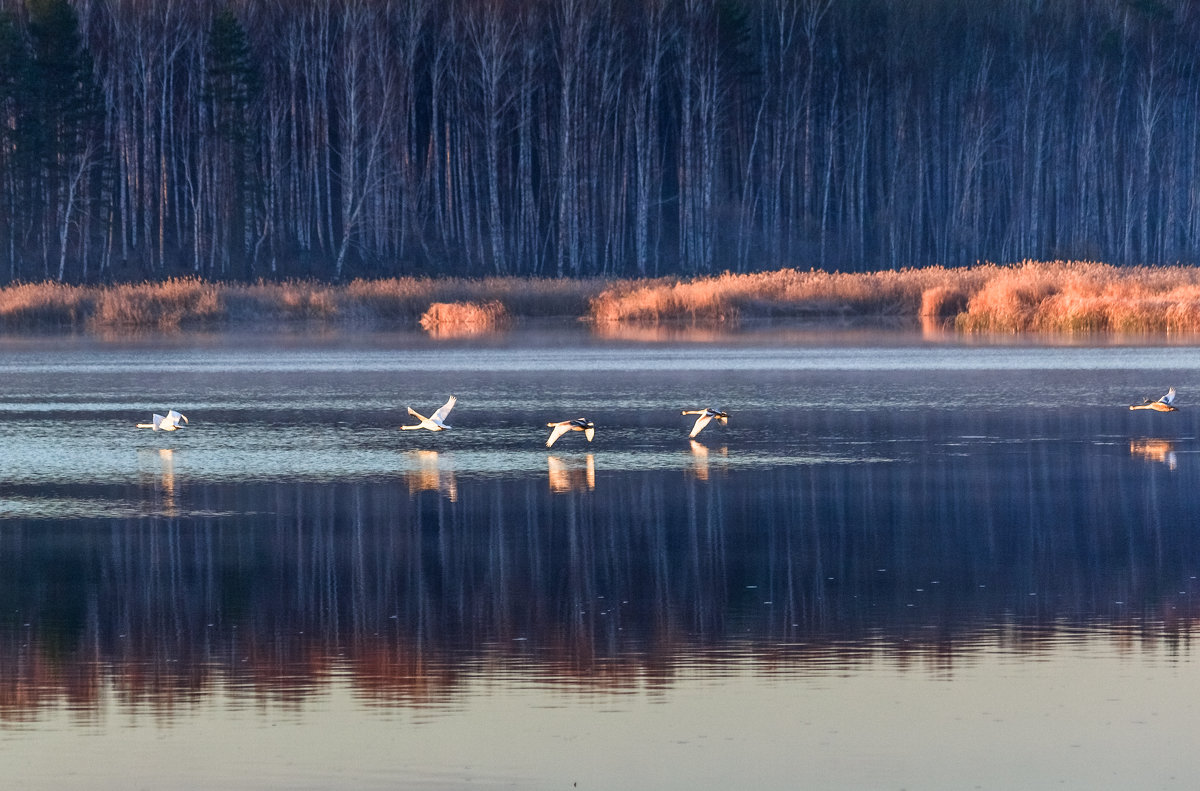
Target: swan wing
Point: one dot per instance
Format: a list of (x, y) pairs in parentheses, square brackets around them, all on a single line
[(559, 430), (175, 417), (589, 432), (443, 411), (701, 422), (1169, 398)]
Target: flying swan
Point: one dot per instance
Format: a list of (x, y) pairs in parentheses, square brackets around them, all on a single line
[(168, 423), (706, 415), (1164, 404), (436, 421), (578, 424)]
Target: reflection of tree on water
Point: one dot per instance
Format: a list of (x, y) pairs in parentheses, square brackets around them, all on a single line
[(571, 475), (433, 473), (1159, 450), (795, 568)]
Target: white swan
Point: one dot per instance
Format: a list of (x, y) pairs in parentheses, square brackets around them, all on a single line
[(436, 421), (706, 415), (578, 424), (1164, 404), (168, 423)]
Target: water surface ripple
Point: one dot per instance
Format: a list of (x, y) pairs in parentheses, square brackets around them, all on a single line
[(911, 563)]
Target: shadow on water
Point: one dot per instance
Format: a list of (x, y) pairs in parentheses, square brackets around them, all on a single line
[(598, 578)]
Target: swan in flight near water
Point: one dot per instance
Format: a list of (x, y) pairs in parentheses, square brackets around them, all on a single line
[(578, 424), (436, 421), (168, 423), (706, 415), (1164, 404)]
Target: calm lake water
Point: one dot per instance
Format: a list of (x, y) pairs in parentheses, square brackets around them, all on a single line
[(905, 563)]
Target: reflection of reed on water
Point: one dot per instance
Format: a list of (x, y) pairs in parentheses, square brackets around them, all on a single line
[(937, 328), (571, 475), (659, 332), (656, 573), (1159, 450)]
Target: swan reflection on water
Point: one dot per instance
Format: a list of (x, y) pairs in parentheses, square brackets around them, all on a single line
[(160, 465), (571, 474), (700, 459), (432, 472), (1157, 450)]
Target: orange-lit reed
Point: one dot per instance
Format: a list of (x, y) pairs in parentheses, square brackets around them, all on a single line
[(451, 319), (1055, 296)]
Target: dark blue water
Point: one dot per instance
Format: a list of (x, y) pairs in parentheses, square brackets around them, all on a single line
[(900, 564)]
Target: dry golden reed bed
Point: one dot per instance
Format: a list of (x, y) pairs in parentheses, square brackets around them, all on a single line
[(190, 302), (1056, 296), (463, 319), (1033, 296)]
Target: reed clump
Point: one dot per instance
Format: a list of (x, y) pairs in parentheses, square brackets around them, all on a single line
[(168, 304), (407, 298), (1085, 296), (455, 319), (1032, 296), (181, 302), (394, 298), (786, 292), (293, 300), (45, 305), (940, 302)]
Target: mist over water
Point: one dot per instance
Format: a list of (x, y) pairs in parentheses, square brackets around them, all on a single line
[(885, 538)]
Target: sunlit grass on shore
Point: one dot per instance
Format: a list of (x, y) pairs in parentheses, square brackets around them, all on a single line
[(1055, 296), (1033, 296), (191, 302)]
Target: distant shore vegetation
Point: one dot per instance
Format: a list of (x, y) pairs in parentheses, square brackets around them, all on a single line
[(1032, 296)]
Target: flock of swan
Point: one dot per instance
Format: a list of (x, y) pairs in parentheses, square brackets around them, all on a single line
[(437, 421)]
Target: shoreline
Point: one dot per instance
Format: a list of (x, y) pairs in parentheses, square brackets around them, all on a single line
[(1058, 297)]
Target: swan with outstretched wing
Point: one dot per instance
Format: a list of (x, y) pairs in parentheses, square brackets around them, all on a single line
[(563, 426), (706, 415), (1164, 404), (168, 422), (436, 421)]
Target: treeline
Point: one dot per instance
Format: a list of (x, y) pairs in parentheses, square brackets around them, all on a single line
[(340, 138)]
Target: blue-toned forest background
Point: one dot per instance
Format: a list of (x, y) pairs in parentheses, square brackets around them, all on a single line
[(338, 138)]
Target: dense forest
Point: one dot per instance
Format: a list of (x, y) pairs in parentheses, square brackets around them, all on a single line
[(337, 138)]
